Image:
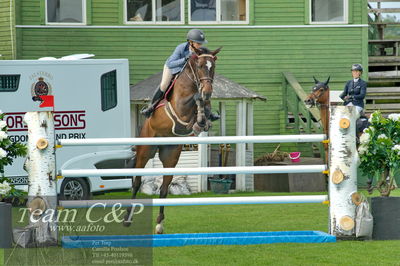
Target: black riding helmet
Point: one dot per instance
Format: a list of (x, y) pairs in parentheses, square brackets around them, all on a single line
[(357, 67), (196, 36)]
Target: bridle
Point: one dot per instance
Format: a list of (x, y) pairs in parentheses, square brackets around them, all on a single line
[(315, 97), (197, 80)]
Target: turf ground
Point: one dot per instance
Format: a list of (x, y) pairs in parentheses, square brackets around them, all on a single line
[(247, 218)]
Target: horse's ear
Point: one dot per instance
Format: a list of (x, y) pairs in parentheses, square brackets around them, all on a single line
[(315, 80), (216, 51), (327, 81)]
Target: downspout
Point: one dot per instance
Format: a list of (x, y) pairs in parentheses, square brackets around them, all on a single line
[(11, 29)]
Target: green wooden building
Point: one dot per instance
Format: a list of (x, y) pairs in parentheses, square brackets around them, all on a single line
[(261, 39)]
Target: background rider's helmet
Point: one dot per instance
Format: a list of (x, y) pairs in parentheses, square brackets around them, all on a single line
[(357, 67), (196, 36)]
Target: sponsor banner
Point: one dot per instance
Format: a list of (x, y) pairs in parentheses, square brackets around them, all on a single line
[(63, 120)]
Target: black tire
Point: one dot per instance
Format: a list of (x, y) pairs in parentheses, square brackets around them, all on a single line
[(74, 189)]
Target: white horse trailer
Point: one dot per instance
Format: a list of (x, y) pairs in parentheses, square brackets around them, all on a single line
[(91, 99)]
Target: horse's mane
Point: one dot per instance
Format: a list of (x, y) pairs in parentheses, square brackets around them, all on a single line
[(204, 50), (201, 51)]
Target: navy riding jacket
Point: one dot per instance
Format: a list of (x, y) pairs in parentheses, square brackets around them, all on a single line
[(178, 58), (356, 91)]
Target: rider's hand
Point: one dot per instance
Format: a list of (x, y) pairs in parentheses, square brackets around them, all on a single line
[(346, 98)]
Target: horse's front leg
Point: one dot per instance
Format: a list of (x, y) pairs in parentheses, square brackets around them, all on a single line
[(201, 120), (207, 114), (163, 194), (201, 117)]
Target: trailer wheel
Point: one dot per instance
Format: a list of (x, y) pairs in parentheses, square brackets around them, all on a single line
[(74, 189)]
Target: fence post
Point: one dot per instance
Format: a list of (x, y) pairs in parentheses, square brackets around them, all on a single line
[(42, 194), (343, 160)]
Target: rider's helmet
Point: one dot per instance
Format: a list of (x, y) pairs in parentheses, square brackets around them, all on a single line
[(357, 67), (196, 35)]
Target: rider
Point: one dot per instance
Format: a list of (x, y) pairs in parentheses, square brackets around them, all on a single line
[(355, 89), (174, 65)]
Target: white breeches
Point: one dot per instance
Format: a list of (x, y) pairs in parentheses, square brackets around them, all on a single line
[(166, 78), (358, 108)]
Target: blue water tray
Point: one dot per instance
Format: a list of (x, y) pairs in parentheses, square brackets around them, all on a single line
[(175, 240)]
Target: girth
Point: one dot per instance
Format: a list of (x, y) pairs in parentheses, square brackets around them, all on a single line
[(179, 127)]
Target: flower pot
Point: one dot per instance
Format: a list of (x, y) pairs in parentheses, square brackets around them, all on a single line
[(220, 186), (15, 202), (386, 213), (5, 225)]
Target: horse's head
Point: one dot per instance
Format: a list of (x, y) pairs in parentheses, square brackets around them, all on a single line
[(319, 93), (203, 62)]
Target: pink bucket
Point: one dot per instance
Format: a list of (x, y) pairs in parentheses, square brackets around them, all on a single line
[(295, 156)]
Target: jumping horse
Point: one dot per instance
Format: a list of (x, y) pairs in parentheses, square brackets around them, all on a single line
[(319, 97), (185, 111)]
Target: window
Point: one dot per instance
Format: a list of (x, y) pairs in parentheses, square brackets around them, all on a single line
[(328, 11), (9, 82), (108, 90), (219, 11), (65, 11), (154, 11)]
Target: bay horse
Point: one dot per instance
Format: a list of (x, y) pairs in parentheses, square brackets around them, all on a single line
[(186, 109), (319, 97)]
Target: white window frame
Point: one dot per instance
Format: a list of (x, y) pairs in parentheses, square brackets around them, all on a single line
[(345, 14), (153, 19), (84, 19), (218, 15)]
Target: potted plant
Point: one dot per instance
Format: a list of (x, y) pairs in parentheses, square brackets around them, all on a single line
[(221, 184), (379, 153), (8, 152), (10, 194)]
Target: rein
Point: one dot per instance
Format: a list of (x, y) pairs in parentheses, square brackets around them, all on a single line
[(317, 97)]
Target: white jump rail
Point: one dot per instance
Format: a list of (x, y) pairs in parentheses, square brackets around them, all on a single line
[(194, 171), (194, 201), (343, 195), (192, 140)]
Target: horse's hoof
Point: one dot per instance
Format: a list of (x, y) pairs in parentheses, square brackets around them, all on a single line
[(208, 126), (159, 229), (126, 221), (196, 128)]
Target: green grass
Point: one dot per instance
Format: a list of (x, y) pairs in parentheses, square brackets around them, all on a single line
[(274, 217)]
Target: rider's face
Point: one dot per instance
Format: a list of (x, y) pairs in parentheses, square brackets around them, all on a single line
[(356, 74), (196, 45)]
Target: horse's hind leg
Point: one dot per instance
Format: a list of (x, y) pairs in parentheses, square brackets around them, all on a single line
[(169, 156), (143, 155)]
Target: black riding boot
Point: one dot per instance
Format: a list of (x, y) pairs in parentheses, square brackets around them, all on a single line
[(157, 97), (214, 116), (209, 114)]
